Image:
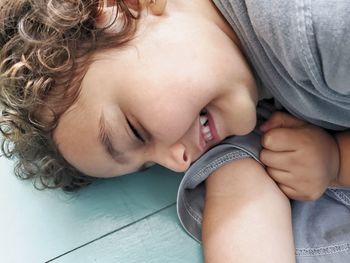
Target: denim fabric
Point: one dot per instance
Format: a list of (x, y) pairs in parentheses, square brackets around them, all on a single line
[(321, 228), (191, 194)]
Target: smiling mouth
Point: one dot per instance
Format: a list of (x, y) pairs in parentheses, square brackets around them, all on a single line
[(207, 128)]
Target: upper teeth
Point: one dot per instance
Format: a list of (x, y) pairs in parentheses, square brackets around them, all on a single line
[(205, 129), (203, 119)]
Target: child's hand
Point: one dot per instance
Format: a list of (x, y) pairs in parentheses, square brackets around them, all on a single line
[(302, 158)]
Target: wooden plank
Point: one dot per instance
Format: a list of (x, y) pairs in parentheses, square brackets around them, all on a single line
[(155, 239), (37, 226)]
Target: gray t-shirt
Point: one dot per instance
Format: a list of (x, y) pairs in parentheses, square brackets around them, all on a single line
[(299, 51)]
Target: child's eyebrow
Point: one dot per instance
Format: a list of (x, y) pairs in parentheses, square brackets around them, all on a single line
[(104, 139)]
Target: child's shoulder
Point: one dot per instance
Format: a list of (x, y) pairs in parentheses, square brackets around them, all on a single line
[(330, 23), (309, 38)]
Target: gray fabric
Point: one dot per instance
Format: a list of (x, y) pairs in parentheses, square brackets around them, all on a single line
[(322, 228), (299, 51), (191, 194)]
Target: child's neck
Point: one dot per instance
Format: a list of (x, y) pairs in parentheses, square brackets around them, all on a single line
[(208, 9)]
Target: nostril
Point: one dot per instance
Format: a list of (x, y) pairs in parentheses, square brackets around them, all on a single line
[(185, 158)]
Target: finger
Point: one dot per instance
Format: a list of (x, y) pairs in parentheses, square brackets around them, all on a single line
[(281, 120), (282, 140), (280, 176), (285, 181), (277, 160), (289, 191)]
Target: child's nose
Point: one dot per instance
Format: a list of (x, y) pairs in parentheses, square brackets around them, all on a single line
[(175, 158)]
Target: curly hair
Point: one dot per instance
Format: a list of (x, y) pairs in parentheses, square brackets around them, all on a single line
[(46, 48)]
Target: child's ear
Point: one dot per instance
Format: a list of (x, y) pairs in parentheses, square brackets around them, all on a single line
[(132, 4), (157, 7), (107, 12), (104, 17)]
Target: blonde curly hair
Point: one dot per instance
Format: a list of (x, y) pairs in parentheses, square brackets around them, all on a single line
[(46, 47)]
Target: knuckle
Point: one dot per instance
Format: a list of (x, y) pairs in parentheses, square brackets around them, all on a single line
[(262, 155), (265, 159), (266, 140)]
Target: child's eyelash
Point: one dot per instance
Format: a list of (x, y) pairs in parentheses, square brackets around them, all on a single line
[(135, 132)]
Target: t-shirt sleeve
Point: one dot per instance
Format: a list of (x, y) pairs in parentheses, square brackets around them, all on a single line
[(331, 27), (191, 193)]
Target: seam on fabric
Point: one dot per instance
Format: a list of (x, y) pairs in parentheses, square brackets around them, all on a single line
[(305, 252), (216, 163), (182, 221), (309, 32), (191, 211), (306, 16), (343, 197), (303, 20)]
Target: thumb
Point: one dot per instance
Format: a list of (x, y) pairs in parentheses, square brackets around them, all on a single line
[(281, 120)]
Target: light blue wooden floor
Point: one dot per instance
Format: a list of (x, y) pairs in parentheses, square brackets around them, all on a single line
[(125, 220)]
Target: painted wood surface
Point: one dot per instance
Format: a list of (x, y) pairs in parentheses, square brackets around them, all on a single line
[(95, 225), (155, 239)]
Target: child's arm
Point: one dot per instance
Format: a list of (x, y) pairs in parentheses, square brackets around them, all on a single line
[(343, 178), (302, 158), (246, 216)]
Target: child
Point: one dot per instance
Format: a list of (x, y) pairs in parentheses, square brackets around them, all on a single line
[(107, 90)]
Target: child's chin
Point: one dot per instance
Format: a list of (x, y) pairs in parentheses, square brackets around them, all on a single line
[(247, 128)]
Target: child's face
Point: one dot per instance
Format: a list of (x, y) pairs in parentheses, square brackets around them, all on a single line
[(177, 66)]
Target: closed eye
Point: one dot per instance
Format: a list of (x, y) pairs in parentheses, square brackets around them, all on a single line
[(135, 132)]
